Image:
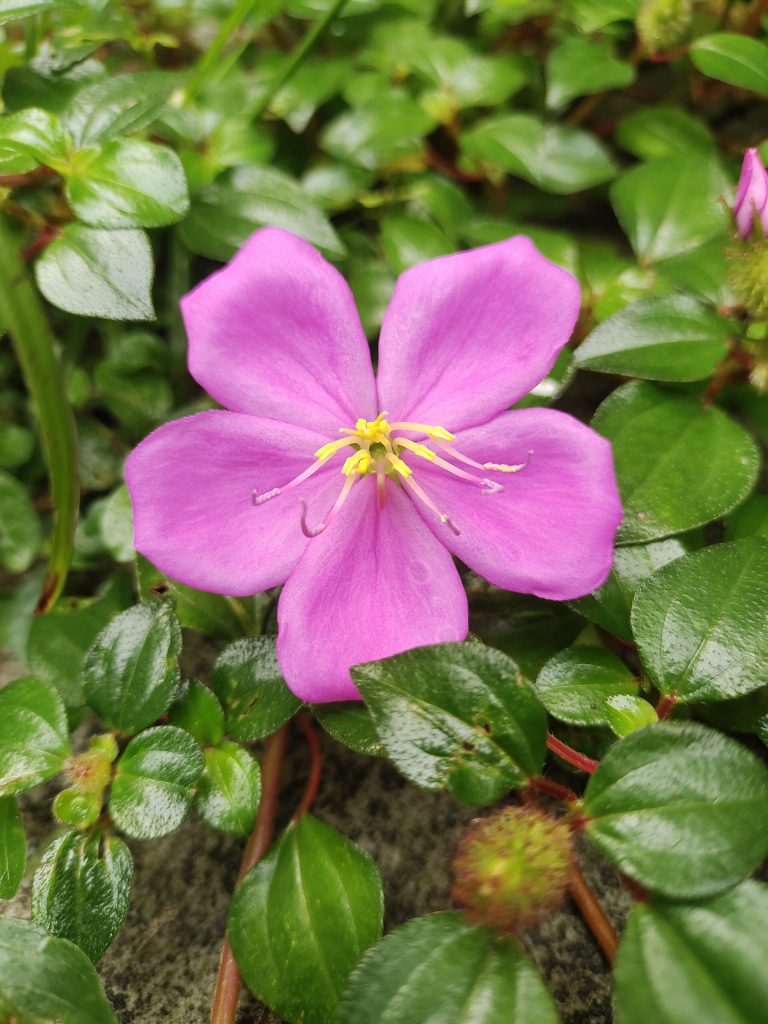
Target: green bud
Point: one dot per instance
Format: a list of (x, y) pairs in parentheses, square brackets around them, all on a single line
[(663, 24), (748, 275)]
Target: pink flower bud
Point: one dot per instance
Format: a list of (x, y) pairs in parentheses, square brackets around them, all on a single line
[(751, 195)]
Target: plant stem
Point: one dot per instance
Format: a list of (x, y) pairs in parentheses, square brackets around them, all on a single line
[(33, 342), (665, 705), (227, 991), (208, 63), (593, 914), (304, 724), (571, 756), (555, 789)]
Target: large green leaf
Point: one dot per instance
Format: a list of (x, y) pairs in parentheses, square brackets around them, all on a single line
[(664, 337), (574, 685), (350, 723), (657, 131), (736, 59), (34, 134), (704, 961), (441, 968), (456, 716), (677, 807), (13, 848), (579, 67), (131, 672), (302, 918), (118, 105), (229, 789), (82, 888), (701, 623), (249, 683), (34, 737), (678, 464), (389, 127)]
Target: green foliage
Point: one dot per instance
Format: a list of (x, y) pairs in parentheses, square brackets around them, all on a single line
[(575, 685), (34, 737), (13, 847), (248, 682)]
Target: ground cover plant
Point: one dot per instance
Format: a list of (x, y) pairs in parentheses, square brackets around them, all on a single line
[(528, 565)]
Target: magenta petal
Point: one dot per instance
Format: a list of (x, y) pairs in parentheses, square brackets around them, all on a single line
[(276, 333), (374, 584), (190, 483), (550, 531), (467, 335), (751, 195)]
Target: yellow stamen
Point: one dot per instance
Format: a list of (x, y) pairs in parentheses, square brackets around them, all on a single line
[(399, 466), (439, 433), (331, 448), (416, 448)]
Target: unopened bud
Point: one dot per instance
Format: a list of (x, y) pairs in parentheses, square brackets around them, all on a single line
[(750, 208), (511, 867), (663, 24), (748, 276)]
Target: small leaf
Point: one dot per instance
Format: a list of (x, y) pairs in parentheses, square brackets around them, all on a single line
[(736, 59), (13, 848), (574, 685), (350, 723), (678, 464), (579, 67), (154, 783), (665, 337), (626, 712), (130, 184), (458, 716), (749, 520), (44, 979), (705, 961), (198, 711), (229, 789), (82, 888), (674, 806), (118, 105), (34, 738), (131, 673), (700, 623), (98, 273), (302, 918), (19, 526), (656, 131), (248, 682), (407, 240), (441, 968), (72, 807), (35, 134), (388, 128)]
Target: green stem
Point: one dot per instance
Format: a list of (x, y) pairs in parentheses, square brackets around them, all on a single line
[(207, 66), (25, 318)]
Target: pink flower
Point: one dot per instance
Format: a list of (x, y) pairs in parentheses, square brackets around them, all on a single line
[(751, 195), (356, 492)]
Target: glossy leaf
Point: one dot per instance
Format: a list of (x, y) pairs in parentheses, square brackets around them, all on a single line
[(626, 712), (301, 919), (390, 127), (703, 961), (666, 337), (154, 782), (749, 520), (98, 273), (34, 737), (229, 789), (700, 623), (674, 806), (456, 716), (350, 723), (73, 807), (118, 105), (13, 848), (574, 685), (44, 978), (733, 58), (82, 888), (442, 968), (678, 464), (248, 682), (198, 711), (34, 134), (579, 67), (657, 131), (19, 526)]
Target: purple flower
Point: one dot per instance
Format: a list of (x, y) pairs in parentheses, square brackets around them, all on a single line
[(355, 492), (751, 195)]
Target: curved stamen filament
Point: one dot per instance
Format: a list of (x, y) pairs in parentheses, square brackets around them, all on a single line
[(315, 531), (489, 486), (422, 495), (498, 467)]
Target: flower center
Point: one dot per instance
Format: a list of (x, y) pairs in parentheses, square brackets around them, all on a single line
[(378, 447)]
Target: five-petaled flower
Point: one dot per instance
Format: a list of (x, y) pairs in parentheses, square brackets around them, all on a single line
[(355, 491), (751, 204)]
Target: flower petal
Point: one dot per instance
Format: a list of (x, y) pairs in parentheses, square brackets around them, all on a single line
[(751, 195), (375, 583), (550, 531), (467, 335), (276, 333), (190, 483)]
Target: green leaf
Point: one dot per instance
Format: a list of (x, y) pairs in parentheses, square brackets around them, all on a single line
[(674, 806), (580, 67), (13, 848), (229, 789), (302, 918), (226, 214), (82, 888), (154, 782), (19, 526), (407, 240), (465, 79), (656, 131), (671, 205), (736, 59), (98, 273), (750, 520), (665, 337), (679, 963), (700, 623), (388, 128), (350, 723), (574, 685), (456, 716), (130, 184), (131, 671), (34, 737), (118, 105), (678, 464), (441, 968), (198, 711), (248, 682), (315, 82), (591, 15), (558, 158), (44, 979), (35, 134), (72, 807), (626, 712), (116, 525)]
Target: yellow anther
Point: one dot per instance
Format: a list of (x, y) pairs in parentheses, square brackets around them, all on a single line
[(330, 449), (399, 466), (438, 433), (414, 446), (351, 466)]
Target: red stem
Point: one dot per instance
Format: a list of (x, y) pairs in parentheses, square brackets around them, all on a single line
[(665, 705), (555, 789), (304, 726), (571, 756), (593, 914)]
